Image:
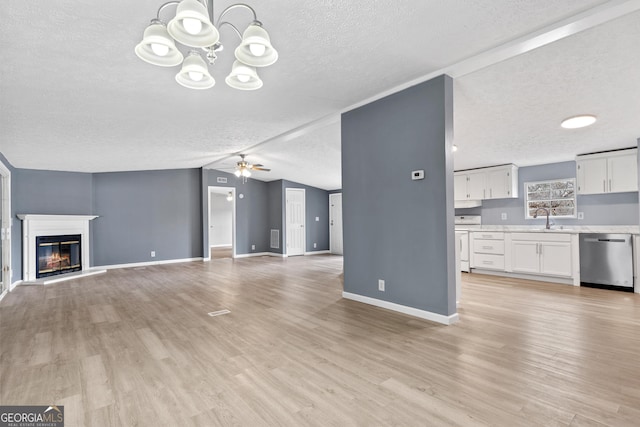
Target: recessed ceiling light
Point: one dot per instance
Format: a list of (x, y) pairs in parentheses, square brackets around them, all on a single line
[(577, 122)]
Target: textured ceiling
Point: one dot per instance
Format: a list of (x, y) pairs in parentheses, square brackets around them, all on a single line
[(73, 95)]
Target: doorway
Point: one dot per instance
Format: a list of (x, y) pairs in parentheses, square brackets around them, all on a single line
[(295, 221), (335, 223), (222, 219), (5, 230)]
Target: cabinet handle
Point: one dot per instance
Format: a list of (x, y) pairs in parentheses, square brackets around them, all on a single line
[(487, 262), (491, 193), (609, 185), (486, 236), (604, 185), (537, 249), (484, 194), (540, 248), (487, 247)]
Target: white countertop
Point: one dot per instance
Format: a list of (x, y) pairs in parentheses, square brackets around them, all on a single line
[(570, 229)]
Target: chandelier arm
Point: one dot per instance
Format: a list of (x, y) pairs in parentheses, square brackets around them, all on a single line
[(161, 8), (220, 24), (235, 6)]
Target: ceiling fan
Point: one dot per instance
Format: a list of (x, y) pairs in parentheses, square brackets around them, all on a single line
[(244, 168)]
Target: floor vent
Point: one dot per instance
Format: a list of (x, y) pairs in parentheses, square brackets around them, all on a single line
[(218, 313), (275, 239)]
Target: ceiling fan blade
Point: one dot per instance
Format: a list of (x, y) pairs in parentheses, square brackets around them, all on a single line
[(257, 165), (261, 169)]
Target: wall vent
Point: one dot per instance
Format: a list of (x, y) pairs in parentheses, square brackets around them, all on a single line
[(275, 239)]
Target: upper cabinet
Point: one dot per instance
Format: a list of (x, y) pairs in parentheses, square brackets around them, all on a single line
[(497, 182), (610, 172)]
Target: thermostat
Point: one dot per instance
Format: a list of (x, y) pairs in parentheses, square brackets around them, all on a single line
[(415, 175)]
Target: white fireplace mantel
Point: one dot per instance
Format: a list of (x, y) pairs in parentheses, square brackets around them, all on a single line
[(50, 225)]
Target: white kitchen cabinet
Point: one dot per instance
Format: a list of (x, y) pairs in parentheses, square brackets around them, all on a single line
[(502, 182), (496, 182), (487, 250), (610, 172), (540, 253)]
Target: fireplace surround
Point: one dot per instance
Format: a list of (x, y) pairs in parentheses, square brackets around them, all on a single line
[(62, 226)]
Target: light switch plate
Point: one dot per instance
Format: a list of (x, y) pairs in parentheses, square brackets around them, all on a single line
[(503, 216), (580, 215)]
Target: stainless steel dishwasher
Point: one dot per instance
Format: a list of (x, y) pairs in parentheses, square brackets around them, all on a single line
[(606, 260)]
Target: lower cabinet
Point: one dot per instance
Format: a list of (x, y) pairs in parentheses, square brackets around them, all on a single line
[(536, 253)]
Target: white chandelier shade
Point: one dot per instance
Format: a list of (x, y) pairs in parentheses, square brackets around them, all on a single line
[(192, 25), (194, 73), (256, 49), (243, 77), (157, 47)]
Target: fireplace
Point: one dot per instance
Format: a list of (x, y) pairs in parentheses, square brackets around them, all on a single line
[(58, 254)]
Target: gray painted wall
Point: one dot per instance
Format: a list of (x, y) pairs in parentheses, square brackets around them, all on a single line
[(146, 211), (397, 229), (276, 213), (316, 205), (598, 209), (252, 211)]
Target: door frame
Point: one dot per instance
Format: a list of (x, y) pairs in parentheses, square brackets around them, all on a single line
[(330, 226), (6, 222), (286, 219), (233, 219)]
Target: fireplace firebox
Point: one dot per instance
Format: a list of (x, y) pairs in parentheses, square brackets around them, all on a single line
[(58, 254)]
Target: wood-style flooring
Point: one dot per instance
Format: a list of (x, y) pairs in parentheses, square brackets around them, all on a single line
[(135, 347)]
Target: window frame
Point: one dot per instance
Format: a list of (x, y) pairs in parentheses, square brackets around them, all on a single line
[(549, 181)]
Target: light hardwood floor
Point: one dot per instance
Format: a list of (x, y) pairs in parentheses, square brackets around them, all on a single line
[(136, 347)]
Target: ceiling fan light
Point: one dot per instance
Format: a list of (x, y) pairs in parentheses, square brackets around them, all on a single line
[(255, 41), (194, 73), (157, 47), (246, 173), (577, 122), (184, 28), (238, 173), (243, 77), (229, 196)]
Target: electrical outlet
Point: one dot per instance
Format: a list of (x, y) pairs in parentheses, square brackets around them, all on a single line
[(153, 254), (580, 215), (381, 285), (253, 247), (503, 216), (315, 246)]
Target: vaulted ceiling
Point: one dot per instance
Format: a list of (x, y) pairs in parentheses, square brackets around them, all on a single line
[(75, 97)]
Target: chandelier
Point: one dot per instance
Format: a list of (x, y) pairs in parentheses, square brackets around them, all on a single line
[(193, 26)]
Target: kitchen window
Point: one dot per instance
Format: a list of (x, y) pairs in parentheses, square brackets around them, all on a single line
[(558, 196)]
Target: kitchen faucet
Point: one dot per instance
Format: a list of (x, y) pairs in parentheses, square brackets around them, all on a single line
[(535, 215)]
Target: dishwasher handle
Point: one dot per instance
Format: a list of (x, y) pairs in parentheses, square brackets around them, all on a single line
[(595, 240)]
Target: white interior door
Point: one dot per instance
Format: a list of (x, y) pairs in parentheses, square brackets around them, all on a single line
[(221, 219), (295, 224), (5, 229), (335, 223)]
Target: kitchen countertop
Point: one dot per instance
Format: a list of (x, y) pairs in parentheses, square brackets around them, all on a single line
[(570, 229)]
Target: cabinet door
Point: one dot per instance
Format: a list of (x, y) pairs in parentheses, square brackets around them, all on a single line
[(525, 257), (555, 259), (592, 176), (476, 185), (623, 173), (498, 184), (460, 187)]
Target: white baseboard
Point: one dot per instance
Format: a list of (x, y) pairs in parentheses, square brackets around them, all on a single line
[(253, 254), (146, 264), (14, 284), (221, 246), (423, 314), (317, 252), (2, 295)]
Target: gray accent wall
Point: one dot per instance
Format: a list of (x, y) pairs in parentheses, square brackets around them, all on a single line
[(276, 213), (146, 211), (598, 209), (397, 229)]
